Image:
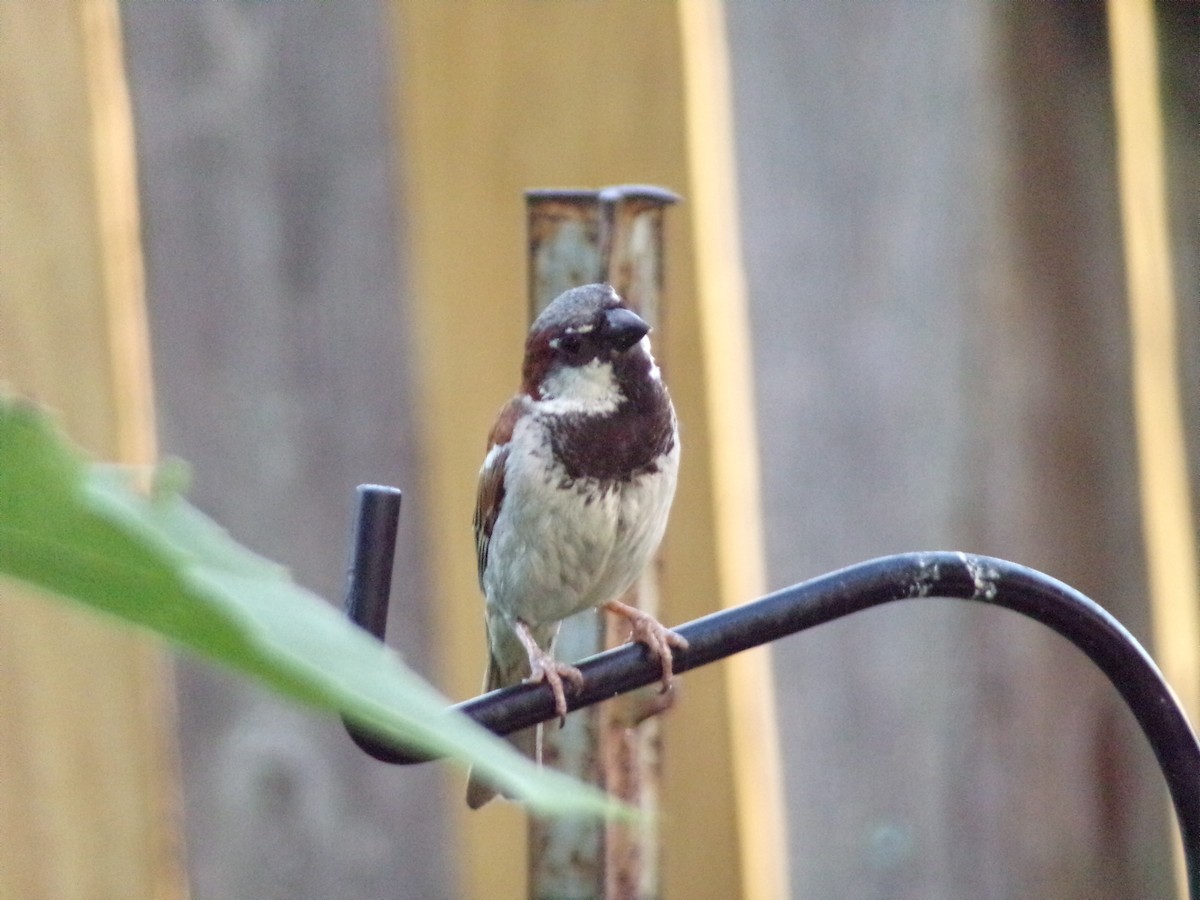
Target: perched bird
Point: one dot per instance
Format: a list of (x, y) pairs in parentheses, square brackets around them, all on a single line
[(574, 493)]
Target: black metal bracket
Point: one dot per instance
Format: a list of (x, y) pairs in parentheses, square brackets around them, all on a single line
[(903, 577)]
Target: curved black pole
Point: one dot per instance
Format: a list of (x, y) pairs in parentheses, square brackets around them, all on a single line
[(369, 578), (906, 576)]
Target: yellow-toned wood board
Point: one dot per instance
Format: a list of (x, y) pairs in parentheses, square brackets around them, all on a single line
[(88, 786), (493, 99), (1167, 522)]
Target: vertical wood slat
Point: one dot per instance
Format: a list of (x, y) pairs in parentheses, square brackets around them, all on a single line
[(494, 99), (1168, 526), (88, 788), (737, 513)]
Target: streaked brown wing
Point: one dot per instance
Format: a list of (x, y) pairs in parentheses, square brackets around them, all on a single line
[(490, 495)]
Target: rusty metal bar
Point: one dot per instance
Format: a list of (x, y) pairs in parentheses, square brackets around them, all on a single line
[(908, 576), (567, 858), (578, 237), (630, 737)]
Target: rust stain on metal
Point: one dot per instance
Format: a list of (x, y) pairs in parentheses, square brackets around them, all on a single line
[(577, 237)]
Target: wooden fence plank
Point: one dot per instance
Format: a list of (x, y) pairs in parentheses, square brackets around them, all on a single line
[(495, 99), (932, 247), (728, 359), (1169, 529), (88, 788)]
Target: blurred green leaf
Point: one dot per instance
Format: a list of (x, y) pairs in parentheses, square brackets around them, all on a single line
[(85, 532)]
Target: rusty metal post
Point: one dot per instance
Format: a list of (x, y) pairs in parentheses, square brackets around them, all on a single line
[(578, 237)]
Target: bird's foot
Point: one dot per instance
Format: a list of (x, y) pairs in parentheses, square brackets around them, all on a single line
[(544, 667), (657, 637)]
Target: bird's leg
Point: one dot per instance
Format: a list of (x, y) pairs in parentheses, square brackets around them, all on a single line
[(544, 667), (656, 636)]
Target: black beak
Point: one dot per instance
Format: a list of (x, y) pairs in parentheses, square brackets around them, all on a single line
[(623, 329)]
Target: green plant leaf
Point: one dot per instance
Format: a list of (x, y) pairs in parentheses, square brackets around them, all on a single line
[(84, 532)]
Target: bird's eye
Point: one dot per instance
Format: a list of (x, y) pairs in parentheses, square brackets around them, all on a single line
[(570, 344)]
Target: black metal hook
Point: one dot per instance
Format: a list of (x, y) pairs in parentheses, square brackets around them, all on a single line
[(369, 577), (906, 576)]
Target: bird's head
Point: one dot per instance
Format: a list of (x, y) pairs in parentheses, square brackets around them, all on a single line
[(586, 349)]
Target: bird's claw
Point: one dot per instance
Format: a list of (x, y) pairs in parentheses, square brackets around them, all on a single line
[(546, 668), (658, 638)]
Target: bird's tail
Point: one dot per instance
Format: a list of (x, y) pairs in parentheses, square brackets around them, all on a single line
[(527, 742)]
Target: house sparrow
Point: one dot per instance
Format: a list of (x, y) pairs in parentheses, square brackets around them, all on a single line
[(573, 494)]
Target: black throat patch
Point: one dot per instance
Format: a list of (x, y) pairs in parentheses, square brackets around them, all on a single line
[(622, 444)]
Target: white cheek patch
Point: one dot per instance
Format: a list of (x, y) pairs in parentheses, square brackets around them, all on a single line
[(590, 387), (655, 373)]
